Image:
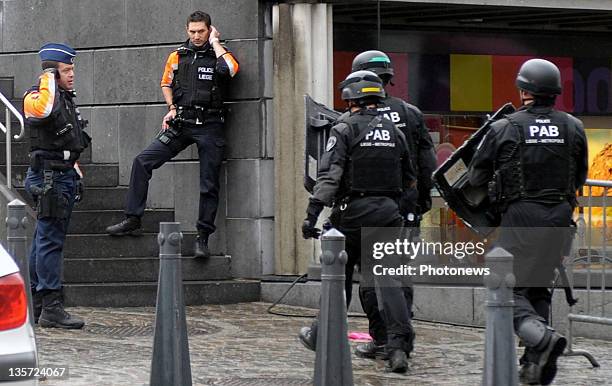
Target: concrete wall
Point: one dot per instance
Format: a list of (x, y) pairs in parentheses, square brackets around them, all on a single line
[(122, 47), (457, 305)]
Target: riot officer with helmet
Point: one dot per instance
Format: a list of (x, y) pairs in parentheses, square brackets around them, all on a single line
[(534, 160), (57, 138), (364, 173), (409, 120)]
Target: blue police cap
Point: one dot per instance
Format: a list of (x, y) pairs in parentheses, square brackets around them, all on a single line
[(57, 52)]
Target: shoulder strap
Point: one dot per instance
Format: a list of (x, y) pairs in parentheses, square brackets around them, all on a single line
[(373, 123)]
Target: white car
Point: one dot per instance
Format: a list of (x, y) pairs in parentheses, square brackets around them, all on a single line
[(18, 355)]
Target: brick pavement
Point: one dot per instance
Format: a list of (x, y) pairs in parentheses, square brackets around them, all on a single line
[(244, 345)]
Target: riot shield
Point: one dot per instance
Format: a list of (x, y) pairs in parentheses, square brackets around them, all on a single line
[(470, 203), (319, 120)]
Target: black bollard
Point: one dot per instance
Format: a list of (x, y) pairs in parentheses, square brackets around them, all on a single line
[(171, 364), (16, 223), (500, 354), (333, 359)]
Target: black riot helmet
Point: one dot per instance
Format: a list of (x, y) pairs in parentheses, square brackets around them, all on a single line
[(539, 77), (362, 86), (376, 61)]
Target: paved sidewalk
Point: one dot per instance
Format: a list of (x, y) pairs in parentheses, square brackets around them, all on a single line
[(242, 344)]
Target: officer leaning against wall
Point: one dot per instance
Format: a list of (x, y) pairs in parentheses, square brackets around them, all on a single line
[(409, 119), (193, 84), (53, 179), (537, 158), (364, 171)]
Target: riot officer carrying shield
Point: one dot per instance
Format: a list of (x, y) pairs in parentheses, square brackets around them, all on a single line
[(57, 138), (536, 160), (363, 179), (194, 85), (409, 120)]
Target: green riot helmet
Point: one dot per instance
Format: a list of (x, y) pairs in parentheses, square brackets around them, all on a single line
[(360, 85), (539, 77), (376, 61)]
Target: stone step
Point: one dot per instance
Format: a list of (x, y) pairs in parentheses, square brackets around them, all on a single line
[(142, 269), (90, 246), (145, 294), (103, 198), (98, 175), (96, 221)]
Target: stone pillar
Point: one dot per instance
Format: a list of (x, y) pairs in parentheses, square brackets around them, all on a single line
[(302, 65)]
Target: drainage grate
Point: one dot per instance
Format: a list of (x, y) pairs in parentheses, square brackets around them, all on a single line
[(126, 331)]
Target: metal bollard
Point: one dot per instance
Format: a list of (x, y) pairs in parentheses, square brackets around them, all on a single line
[(333, 358), (171, 363), (500, 354), (16, 223)]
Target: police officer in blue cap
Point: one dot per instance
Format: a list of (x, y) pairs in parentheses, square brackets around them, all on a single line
[(57, 138)]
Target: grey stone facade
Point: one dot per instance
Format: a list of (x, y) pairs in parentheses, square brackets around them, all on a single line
[(122, 47)]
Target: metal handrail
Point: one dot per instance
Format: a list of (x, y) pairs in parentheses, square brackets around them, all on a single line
[(587, 315), (7, 130), (599, 183)]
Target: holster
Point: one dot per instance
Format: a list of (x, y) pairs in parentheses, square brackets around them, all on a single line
[(169, 137), (49, 202)]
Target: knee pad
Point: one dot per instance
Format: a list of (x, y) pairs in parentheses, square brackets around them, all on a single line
[(534, 333)]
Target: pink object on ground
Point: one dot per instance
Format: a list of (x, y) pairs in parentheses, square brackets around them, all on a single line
[(359, 336)]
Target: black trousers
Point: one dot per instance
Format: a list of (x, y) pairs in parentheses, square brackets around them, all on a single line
[(210, 141), (534, 233), (389, 310)]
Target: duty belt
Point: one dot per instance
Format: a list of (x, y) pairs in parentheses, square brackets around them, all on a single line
[(49, 160), (198, 112)]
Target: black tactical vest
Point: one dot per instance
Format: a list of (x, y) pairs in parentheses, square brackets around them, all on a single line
[(542, 164), (374, 161), (195, 81), (62, 130), (397, 111)]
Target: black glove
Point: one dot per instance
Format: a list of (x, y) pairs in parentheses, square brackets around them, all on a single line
[(309, 230), (312, 214), (80, 190)]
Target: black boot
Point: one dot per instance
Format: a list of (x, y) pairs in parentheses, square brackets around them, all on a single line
[(53, 313), (37, 300), (201, 245), (308, 335), (398, 361), (547, 362), (129, 226)]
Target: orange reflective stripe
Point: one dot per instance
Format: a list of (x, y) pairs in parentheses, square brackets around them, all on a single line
[(231, 63), (171, 66), (38, 104)]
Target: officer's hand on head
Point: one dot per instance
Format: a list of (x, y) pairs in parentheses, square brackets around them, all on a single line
[(53, 71), (170, 115), (214, 35)]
